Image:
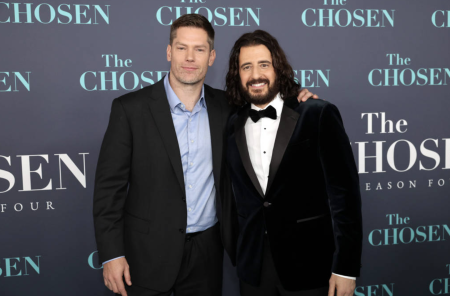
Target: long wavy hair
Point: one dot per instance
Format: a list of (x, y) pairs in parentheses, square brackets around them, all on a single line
[(284, 74)]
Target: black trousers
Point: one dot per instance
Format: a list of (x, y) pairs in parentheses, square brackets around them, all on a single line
[(201, 268), (270, 284)]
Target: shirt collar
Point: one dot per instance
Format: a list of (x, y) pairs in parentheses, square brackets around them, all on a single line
[(173, 99), (277, 103)]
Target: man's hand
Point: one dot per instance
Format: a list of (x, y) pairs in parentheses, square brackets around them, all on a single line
[(305, 94), (113, 272), (343, 286)]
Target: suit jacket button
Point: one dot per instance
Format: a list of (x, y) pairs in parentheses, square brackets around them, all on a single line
[(181, 230), (267, 204)]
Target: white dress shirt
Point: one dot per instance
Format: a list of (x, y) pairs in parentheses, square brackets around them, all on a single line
[(260, 138)]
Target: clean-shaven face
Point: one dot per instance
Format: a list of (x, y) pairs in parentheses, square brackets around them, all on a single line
[(190, 55), (257, 74)]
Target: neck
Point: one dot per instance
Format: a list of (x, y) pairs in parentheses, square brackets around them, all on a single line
[(189, 94), (262, 106)]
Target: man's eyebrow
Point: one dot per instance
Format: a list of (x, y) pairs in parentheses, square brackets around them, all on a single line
[(196, 46), (259, 62)]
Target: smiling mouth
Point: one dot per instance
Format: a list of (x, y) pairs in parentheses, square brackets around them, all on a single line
[(258, 85)]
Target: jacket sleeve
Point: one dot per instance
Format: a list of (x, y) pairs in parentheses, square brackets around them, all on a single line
[(342, 185), (111, 183)]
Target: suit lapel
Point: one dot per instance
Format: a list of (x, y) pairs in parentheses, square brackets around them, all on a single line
[(215, 128), (241, 142), (288, 121), (160, 109)]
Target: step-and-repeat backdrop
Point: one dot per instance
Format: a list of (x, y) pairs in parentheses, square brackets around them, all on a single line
[(384, 63)]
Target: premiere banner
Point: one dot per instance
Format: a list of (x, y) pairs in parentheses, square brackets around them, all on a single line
[(385, 64)]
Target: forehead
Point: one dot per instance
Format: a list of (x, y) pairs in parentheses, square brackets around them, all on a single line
[(256, 53), (191, 35)]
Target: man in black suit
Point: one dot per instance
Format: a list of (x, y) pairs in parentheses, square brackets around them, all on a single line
[(158, 188), (294, 179)]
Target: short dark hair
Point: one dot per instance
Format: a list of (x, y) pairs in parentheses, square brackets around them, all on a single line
[(196, 21), (285, 75)]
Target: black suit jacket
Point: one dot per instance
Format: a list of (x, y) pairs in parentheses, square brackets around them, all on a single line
[(139, 196), (312, 206)]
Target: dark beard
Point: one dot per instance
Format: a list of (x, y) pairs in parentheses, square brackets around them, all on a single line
[(259, 98)]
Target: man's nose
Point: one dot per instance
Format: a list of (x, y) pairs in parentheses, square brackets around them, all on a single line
[(256, 74), (190, 55)]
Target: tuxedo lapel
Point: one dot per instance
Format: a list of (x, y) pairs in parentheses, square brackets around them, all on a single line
[(160, 109), (288, 121), (215, 128), (241, 142)]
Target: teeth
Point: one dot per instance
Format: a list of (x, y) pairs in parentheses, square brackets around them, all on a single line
[(259, 84)]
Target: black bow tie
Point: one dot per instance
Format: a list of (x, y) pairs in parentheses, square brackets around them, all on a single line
[(268, 112)]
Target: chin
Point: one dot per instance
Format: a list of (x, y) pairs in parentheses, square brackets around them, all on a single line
[(258, 94)]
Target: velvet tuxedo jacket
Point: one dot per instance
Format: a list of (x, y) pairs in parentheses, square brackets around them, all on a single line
[(139, 197), (312, 207)]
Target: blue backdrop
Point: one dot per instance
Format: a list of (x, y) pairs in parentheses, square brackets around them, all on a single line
[(385, 64)]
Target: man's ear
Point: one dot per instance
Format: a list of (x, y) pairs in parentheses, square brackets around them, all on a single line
[(169, 53), (212, 57)]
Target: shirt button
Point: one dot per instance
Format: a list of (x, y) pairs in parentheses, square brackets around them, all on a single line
[(192, 141), (189, 229), (191, 164), (190, 119), (190, 186), (189, 209), (264, 152)]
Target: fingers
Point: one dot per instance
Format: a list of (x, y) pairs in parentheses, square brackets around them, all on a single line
[(332, 287), (348, 291), (310, 95), (113, 287), (302, 96), (343, 286), (113, 274), (127, 275), (106, 280), (120, 287), (112, 283), (305, 94)]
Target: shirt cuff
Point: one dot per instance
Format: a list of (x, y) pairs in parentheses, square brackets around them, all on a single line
[(344, 276), (112, 260)]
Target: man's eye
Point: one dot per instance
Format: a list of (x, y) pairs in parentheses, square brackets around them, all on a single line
[(180, 48), (265, 65), (246, 67), (200, 50)]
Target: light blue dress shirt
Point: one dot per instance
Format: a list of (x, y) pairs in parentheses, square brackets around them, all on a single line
[(194, 140)]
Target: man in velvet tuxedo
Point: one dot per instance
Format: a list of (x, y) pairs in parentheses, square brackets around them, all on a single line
[(161, 219), (294, 179)]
